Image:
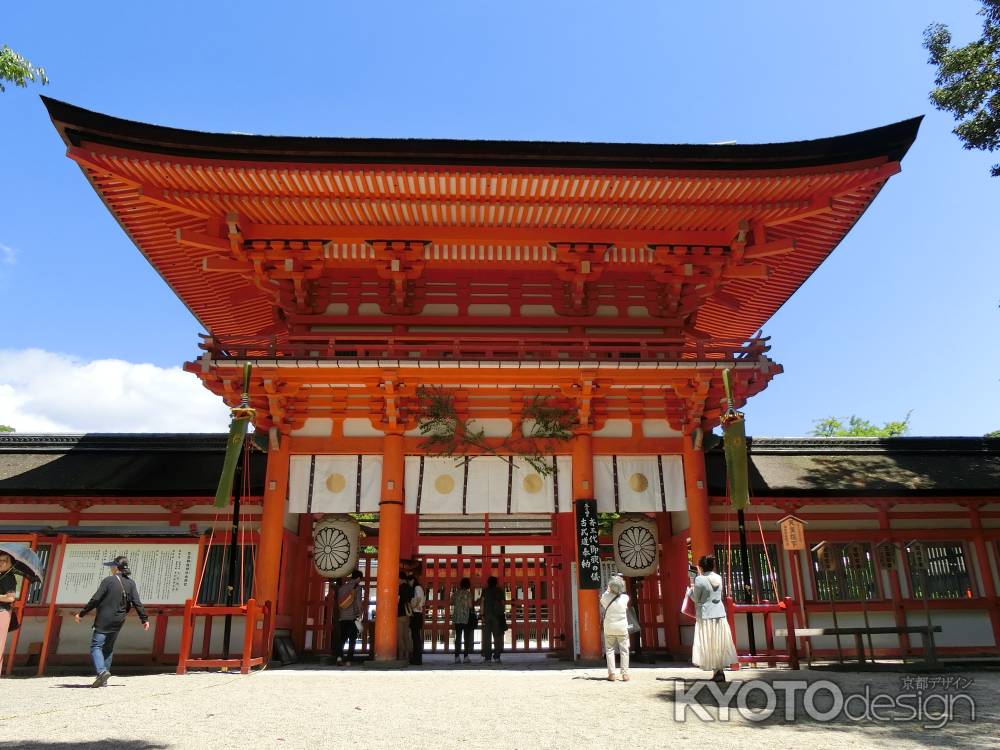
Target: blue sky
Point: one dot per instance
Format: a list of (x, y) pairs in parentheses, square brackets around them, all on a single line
[(904, 315)]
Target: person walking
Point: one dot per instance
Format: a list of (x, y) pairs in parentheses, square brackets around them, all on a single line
[(494, 611), (8, 595), (113, 600), (614, 605), (463, 617), (350, 606), (417, 602), (713, 647), (404, 638)]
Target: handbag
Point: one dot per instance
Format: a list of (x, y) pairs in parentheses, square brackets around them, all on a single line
[(15, 623), (633, 619), (688, 606)]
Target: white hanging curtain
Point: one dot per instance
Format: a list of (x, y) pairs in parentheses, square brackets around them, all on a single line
[(639, 483), (485, 484), (334, 484)]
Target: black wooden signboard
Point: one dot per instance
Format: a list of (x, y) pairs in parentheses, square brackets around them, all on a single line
[(587, 546)]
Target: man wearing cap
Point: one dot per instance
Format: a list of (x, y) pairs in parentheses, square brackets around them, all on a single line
[(113, 600)]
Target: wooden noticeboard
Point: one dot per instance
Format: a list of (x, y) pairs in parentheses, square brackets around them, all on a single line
[(826, 557), (856, 555), (164, 572), (793, 533), (587, 544), (886, 554)]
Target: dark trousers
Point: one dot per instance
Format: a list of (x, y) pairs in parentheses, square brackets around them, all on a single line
[(417, 632), (493, 629), (464, 633), (102, 650), (348, 632)]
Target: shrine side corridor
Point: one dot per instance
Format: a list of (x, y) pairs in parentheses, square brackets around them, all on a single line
[(527, 703)]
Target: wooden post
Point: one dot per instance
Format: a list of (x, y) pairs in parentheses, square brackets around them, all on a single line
[(389, 535), (696, 488), (249, 628), (272, 530), (588, 600), (50, 621), (187, 634)]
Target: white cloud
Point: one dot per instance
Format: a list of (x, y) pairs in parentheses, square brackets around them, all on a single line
[(8, 255), (43, 391)]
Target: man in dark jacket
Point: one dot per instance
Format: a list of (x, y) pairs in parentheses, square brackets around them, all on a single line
[(113, 600)]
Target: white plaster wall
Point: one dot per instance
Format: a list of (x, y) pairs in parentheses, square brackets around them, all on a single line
[(315, 427), (355, 427), (959, 628)]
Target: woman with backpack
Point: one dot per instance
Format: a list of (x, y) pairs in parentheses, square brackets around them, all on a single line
[(463, 617), (350, 605), (713, 647), (614, 605)]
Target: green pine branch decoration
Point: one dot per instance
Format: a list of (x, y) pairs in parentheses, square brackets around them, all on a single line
[(448, 434)]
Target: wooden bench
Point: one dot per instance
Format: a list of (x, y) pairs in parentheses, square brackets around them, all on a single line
[(930, 650)]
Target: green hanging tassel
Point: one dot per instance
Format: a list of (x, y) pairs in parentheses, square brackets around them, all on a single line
[(242, 416), (734, 432)]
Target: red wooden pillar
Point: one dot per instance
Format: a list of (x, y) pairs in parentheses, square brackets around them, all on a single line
[(272, 529), (588, 600), (672, 583), (389, 537), (300, 570), (696, 488)]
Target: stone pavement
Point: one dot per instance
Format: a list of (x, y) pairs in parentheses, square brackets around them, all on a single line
[(523, 704)]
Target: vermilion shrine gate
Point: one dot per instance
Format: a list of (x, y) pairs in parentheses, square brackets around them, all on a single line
[(617, 280)]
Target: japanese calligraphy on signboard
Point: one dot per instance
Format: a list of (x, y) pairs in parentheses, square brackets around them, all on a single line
[(826, 557), (793, 533), (587, 544), (856, 555), (163, 573), (918, 555), (886, 553)]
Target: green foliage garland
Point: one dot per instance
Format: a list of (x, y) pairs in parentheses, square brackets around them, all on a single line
[(446, 433)]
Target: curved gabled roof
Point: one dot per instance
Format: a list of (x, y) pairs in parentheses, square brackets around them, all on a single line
[(80, 125), (254, 233)]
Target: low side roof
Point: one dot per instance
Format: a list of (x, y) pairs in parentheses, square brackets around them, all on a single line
[(839, 467), (146, 465), (177, 465)]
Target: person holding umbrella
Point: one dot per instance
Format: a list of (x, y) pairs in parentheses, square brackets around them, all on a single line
[(15, 559), (113, 600)]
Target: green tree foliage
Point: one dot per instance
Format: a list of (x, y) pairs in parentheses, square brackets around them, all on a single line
[(994, 434), (858, 427), (5, 428), (968, 80), (15, 69)]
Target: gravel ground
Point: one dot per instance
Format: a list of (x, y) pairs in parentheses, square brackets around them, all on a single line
[(523, 704)]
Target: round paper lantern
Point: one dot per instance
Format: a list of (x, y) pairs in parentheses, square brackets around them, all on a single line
[(336, 541), (635, 541)]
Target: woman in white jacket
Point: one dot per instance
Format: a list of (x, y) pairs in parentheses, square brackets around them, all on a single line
[(614, 605)]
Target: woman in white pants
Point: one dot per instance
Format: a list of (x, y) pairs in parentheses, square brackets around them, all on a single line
[(614, 604)]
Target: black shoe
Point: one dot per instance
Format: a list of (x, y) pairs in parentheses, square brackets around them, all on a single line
[(102, 679)]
